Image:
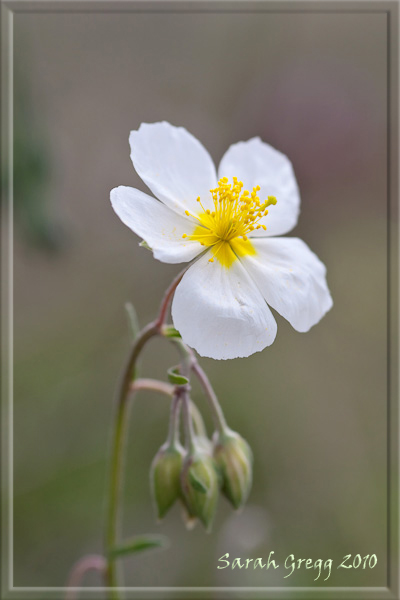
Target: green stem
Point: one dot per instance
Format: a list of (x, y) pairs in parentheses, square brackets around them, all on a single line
[(120, 426), (218, 415), (187, 423), (173, 432), (117, 452), (153, 385), (168, 389), (190, 361)]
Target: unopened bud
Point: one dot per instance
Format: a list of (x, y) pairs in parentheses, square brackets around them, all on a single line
[(234, 459), (189, 520), (199, 481), (205, 445), (165, 477)]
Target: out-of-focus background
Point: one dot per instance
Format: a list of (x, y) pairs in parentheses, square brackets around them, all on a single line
[(312, 406)]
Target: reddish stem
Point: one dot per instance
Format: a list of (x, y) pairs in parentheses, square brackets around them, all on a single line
[(92, 562), (162, 315)]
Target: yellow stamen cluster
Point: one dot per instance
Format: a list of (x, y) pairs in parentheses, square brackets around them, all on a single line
[(236, 213)]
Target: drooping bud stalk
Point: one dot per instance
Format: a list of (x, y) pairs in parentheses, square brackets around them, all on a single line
[(199, 477), (167, 466), (234, 459)]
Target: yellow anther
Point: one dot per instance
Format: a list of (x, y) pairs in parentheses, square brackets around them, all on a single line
[(236, 213)]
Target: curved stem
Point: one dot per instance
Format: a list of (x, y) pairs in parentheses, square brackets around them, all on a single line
[(198, 423), (162, 315), (120, 426), (92, 562), (218, 415), (153, 385), (191, 360), (162, 387), (117, 451)]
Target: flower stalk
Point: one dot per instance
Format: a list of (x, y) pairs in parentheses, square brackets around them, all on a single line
[(216, 410), (120, 426), (91, 562)]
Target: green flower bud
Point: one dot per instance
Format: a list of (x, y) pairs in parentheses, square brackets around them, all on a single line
[(199, 481), (203, 444), (165, 477), (234, 459), (189, 520)]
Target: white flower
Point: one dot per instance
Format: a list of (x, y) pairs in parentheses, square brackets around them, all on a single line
[(220, 306)]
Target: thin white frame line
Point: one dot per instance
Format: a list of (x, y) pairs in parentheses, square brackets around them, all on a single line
[(320, 590), (9, 328), (10, 206)]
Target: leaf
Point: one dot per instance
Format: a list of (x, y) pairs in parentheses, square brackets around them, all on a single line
[(133, 319), (175, 378), (139, 544), (170, 332), (197, 484), (144, 244)]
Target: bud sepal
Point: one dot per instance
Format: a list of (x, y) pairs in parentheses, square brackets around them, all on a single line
[(165, 477), (234, 460), (200, 486)]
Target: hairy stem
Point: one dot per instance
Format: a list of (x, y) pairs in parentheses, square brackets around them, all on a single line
[(120, 426)]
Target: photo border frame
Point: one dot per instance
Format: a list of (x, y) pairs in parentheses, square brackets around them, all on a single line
[(391, 9)]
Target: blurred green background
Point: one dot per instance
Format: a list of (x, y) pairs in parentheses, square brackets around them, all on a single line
[(312, 406)]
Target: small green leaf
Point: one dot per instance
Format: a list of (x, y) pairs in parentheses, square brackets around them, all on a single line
[(197, 484), (133, 319), (175, 378), (139, 544), (170, 332), (144, 244)]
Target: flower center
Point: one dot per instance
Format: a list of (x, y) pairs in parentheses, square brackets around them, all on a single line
[(236, 213)]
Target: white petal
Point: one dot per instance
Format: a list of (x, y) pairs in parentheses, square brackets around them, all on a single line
[(291, 278), (159, 226), (174, 165), (256, 163), (220, 312)]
